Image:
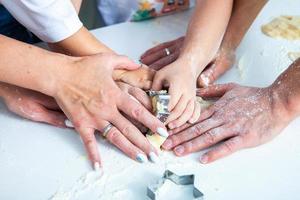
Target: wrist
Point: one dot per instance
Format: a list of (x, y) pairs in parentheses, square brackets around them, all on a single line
[(191, 64), (59, 70), (283, 105)]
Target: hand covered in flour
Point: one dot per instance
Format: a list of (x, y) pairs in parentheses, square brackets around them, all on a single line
[(243, 117), (222, 62), (92, 100), (157, 58), (141, 78), (32, 105), (182, 89)]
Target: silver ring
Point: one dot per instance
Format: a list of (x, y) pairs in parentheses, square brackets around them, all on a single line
[(107, 129), (167, 51)]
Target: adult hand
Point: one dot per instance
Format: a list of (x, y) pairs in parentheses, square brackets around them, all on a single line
[(141, 78), (141, 97), (162, 54), (182, 89), (32, 105), (224, 59), (157, 58), (243, 117), (92, 100)]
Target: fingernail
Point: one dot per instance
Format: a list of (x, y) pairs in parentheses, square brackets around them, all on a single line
[(179, 150), (141, 158), (205, 79), (167, 144), (97, 166), (69, 124), (204, 159), (163, 132), (153, 157), (171, 125)]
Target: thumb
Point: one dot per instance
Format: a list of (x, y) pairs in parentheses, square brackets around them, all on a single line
[(158, 82), (123, 62), (215, 90)]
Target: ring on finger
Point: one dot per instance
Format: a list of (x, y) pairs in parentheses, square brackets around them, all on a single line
[(168, 52), (106, 129)]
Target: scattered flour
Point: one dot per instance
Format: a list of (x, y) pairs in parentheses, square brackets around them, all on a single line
[(108, 186), (241, 67)]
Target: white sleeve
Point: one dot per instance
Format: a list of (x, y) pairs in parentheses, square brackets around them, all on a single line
[(50, 20)]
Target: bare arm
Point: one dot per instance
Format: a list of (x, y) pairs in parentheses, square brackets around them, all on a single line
[(287, 89), (89, 98), (19, 65), (81, 43), (244, 13), (205, 33), (243, 117)]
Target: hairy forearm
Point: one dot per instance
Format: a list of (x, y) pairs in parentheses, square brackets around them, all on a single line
[(29, 66), (243, 14), (286, 90), (205, 32)]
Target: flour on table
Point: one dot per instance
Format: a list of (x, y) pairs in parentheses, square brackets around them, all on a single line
[(284, 27), (87, 182), (241, 67)]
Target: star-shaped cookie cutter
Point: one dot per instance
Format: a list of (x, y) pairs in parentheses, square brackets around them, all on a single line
[(152, 190)]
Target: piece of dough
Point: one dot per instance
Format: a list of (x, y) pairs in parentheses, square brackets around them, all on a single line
[(285, 27), (293, 56), (157, 140), (205, 103)]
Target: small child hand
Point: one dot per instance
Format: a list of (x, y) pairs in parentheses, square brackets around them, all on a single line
[(182, 88)]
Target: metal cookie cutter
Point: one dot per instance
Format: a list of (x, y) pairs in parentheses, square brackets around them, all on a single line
[(152, 190)]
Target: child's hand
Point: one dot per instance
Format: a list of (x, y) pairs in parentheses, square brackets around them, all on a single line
[(182, 87), (141, 78)]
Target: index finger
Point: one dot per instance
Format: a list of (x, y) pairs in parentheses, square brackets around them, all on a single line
[(89, 140), (142, 115)]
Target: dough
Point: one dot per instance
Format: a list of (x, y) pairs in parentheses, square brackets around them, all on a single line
[(205, 103), (285, 27), (293, 56), (157, 140)]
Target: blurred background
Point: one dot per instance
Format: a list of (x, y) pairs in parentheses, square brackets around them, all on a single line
[(89, 15)]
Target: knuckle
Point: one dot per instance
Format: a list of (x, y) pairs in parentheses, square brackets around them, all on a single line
[(210, 138), (229, 146), (175, 139), (87, 139), (138, 112), (197, 130), (188, 146), (126, 131), (113, 136)]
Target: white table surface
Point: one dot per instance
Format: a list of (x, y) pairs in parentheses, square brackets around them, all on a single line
[(38, 161)]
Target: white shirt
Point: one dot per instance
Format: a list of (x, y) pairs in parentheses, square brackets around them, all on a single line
[(50, 20)]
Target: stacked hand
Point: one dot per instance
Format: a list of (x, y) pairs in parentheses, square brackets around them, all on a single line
[(92, 101), (243, 117), (32, 105), (157, 58)]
